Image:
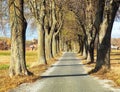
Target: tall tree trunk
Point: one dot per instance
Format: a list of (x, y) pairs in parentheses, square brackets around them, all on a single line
[(56, 38), (54, 45), (65, 46), (90, 30), (84, 52), (84, 43), (18, 29), (38, 11), (41, 45), (57, 44), (81, 45), (61, 42), (48, 43), (90, 57), (50, 31), (85, 48), (80, 41), (103, 54), (41, 34), (91, 41)]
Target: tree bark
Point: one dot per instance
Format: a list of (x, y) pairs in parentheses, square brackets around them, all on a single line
[(50, 31), (85, 48), (55, 40), (90, 30), (91, 41), (41, 35), (103, 53), (61, 43), (90, 57), (80, 41), (38, 11), (84, 52), (54, 45), (18, 26), (58, 43), (41, 45), (48, 43)]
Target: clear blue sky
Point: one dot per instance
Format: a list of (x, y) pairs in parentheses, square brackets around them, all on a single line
[(32, 34), (116, 30)]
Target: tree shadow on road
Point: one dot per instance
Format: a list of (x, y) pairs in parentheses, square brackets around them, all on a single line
[(65, 65), (76, 60), (66, 75)]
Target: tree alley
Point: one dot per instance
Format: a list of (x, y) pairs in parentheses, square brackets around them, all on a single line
[(94, 20)]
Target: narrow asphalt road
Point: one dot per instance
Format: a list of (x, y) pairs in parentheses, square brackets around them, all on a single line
[(67, 75)]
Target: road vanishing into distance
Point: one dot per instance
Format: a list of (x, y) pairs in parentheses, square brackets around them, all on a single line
[(67, 75)]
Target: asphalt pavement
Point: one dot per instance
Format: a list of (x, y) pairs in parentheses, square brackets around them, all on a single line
[(67, 75)]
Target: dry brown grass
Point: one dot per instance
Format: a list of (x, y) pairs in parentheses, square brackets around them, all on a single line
[(7, 83), (113, 74)]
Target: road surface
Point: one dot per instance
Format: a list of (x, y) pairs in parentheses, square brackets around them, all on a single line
[(67, 75)]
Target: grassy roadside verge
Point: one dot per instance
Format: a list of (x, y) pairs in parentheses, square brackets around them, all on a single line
[(7, 83), (113, 74)]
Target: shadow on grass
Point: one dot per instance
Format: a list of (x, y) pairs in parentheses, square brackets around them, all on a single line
[(115, 53), (115, 59)]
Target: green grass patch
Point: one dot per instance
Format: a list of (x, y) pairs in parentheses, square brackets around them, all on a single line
[(27, 66), (31, 56), (4, 67), (28, 53), (31, 53), (4, 53)]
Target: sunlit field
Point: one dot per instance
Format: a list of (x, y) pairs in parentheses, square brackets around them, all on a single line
[(31, 56)]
